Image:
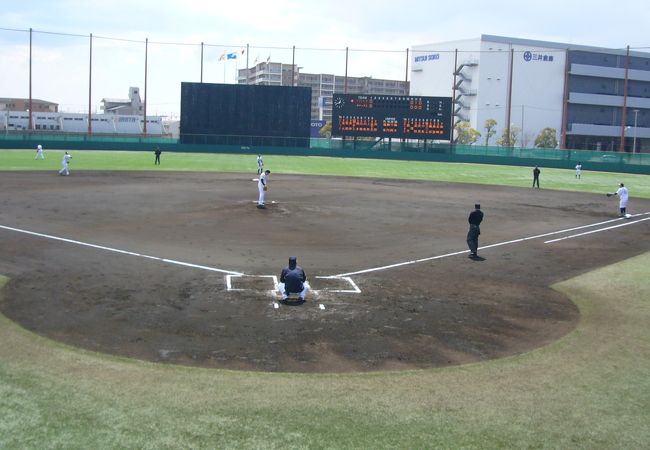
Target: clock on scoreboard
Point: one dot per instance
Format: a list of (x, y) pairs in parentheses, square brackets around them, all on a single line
[(398, 116)]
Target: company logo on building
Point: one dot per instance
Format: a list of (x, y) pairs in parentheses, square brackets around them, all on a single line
[(530, 56), (430, 57)]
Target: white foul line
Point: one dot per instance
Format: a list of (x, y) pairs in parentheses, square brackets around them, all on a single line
[(116, 250), (597, 231), (514, 241)]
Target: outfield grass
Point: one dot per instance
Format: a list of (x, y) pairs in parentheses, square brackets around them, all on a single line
[(560, 179), (591, 389)]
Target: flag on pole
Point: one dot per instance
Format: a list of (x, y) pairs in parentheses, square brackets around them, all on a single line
[(232, 55), (243, 50), (268, 60), (222, 57)]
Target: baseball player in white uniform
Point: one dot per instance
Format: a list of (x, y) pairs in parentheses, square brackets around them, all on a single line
[(39, 152), (623, 196), (578, 170), (260, 165), (66, 163), (263, 186)]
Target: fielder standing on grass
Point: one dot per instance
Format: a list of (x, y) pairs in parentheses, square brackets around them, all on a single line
[(578, 170), (65, 163), (536, 173), (623, 196), (475, 219), (39, 152), (262, 187), (260, 165)]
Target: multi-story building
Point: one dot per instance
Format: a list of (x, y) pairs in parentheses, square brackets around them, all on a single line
[(323, 86), (127, 106), (596, 99), (22, 104), (122, 116)]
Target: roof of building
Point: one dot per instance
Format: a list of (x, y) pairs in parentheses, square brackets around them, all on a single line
[(544, 44), (116, 100), (13, 99), (560, 45)]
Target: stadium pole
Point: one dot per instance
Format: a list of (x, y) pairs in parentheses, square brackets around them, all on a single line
[(565, 101), (406, 76), (90, 85), (201, 62), (509, 142), (453, 102), (621, 147), (146, 50), (29, 124), (247, 72), (345, 81), (406, 81), (293, 66)]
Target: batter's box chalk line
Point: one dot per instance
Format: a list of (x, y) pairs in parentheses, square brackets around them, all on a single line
[(234, 282)]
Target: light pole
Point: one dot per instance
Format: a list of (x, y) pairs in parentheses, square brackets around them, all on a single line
[(636, 113)]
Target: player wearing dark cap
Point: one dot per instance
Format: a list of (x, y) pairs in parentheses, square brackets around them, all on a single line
[(293, 280), (475, 219)]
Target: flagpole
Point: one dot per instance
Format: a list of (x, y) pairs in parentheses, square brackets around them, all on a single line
[(201, 62)]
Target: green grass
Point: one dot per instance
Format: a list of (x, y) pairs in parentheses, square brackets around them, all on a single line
[(589, 390), (559, 179)]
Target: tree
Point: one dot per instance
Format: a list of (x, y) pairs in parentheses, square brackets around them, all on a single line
[(465, 133), (326, 130), (490, 125), (508, 140), (547, 138), (526, 138)]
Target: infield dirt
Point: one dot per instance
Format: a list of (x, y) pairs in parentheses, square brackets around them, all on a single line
[(440, 312)]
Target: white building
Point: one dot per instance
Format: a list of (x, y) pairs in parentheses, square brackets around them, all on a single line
[(57, 122), (323, 86), (122, 116), (126, 106), (579, 91)]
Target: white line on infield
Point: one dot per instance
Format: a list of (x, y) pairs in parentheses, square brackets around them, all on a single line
[(597, 231), (355, 289), (514, 241), (232, 275), (117, 250)]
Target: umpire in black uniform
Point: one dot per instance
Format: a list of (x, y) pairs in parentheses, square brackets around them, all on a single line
[(475, 219), (293, 280)]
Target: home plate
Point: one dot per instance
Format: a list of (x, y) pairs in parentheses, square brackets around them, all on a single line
[(321, 306)]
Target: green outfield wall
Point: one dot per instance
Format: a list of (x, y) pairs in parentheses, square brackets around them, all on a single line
[(412, 151)]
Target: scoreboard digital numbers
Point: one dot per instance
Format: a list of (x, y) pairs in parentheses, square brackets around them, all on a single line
[(391, 116)]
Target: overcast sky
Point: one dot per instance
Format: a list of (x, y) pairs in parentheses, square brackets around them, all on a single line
[(377, 33)]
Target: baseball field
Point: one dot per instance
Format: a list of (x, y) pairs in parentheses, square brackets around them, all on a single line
[(139, 310)]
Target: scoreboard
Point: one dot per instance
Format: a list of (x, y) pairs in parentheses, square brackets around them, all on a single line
[(237, 114), (391, 116)]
